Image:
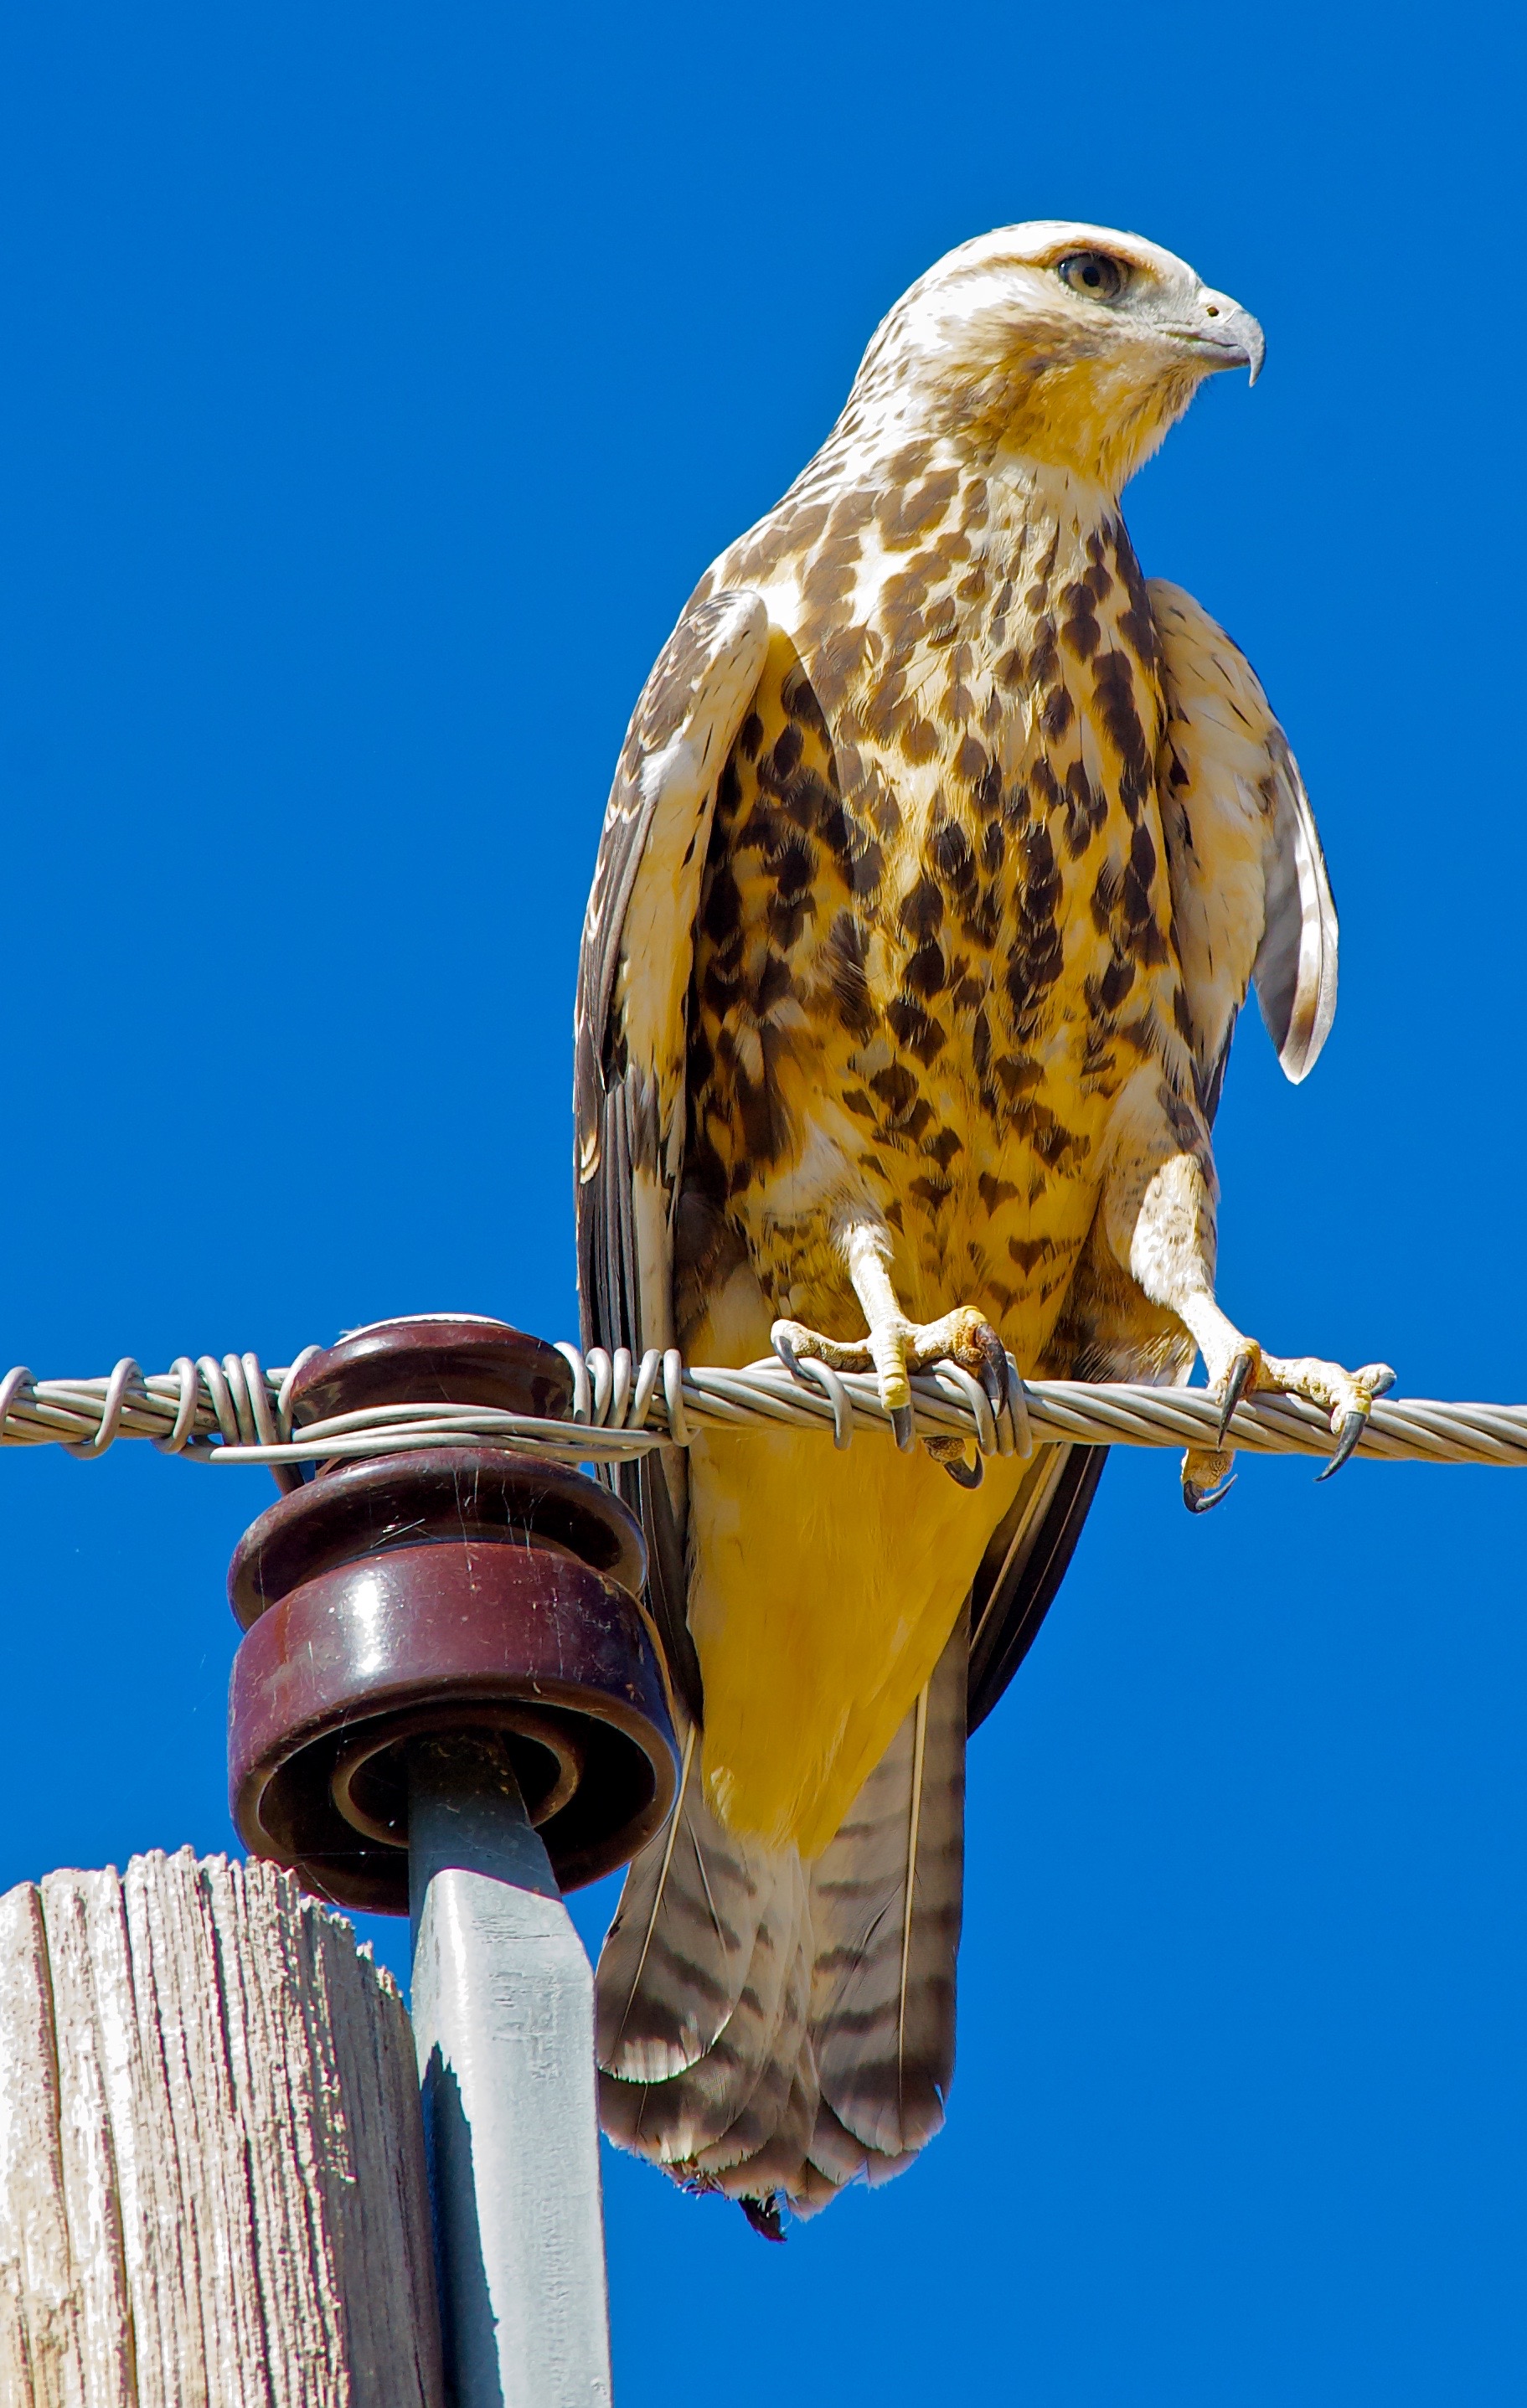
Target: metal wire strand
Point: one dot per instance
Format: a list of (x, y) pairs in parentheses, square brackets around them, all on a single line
[(230, 1410)]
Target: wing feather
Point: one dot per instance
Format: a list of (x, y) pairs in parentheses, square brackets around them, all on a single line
[(1295, 970), (629, 1032), (1026, 1560), (1251, 903), (1250, 899)]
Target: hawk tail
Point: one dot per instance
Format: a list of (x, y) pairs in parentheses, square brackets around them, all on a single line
[(775, 2030)]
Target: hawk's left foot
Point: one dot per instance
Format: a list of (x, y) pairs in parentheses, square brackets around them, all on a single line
[(1347, 1397), (893, 1350)]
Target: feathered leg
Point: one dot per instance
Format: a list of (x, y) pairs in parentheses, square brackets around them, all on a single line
[(1159, 1213)]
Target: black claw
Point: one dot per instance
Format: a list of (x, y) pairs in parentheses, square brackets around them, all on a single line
[(963, 1474), (1353, 1425), (901, 1423), (1235, 1388), (994, 1370), (1203, 1500)]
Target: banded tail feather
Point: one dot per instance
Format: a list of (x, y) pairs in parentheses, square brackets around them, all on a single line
[(886, 1900), (678, 1954), (773, 2030)]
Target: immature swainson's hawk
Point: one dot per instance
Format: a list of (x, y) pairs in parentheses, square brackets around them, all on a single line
[(942, 853)]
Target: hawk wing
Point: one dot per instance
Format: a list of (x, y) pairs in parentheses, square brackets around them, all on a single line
[(1251, 905), (1250, 899), (1025, 1563), (630, 1029)]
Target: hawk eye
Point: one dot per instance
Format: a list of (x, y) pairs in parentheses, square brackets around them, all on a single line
[(1094, 273)]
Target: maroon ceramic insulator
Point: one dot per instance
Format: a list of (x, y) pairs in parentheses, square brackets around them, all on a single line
[(453, 1589)]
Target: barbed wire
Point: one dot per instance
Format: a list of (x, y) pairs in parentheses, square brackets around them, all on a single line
[(231, 1409)]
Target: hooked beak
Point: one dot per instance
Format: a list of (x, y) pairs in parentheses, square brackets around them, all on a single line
[(1224, 335)]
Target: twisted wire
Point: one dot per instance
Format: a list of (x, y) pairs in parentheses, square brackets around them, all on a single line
[(230, 1410)]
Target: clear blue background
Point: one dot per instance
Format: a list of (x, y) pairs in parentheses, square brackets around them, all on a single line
[(374, 383)]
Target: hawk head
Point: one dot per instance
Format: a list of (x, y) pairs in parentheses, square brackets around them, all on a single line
[(1069, 344)]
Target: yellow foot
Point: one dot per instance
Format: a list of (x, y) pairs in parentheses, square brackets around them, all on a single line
[(893, 1350), (1347, 1397)]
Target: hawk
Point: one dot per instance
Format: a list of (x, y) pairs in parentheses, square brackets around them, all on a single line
[(942, 853)]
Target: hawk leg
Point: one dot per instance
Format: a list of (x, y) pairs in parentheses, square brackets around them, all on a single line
[(1161, 1224), (895, 1347)]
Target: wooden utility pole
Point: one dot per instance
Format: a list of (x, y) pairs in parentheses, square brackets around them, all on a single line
[(213, 2188)]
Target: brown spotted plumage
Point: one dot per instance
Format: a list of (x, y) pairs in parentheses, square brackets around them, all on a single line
[(940, 857), (950, 917)]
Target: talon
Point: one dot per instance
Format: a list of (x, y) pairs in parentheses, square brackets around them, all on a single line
[(787, 1354), (1241, 1375), (963, 1474), (993, 1370), (1206, 1476), (901, 1423), (1353, 1425), (1203, 1500)]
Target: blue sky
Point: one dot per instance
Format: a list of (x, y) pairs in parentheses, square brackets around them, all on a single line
[(374, 383)]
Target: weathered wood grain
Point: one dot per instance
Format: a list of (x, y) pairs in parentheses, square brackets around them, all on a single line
[(211, 2168)]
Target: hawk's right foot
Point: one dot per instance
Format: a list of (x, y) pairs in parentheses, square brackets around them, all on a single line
[(895, 1348)]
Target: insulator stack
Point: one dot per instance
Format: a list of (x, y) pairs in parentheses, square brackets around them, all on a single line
[(441, 1594)]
